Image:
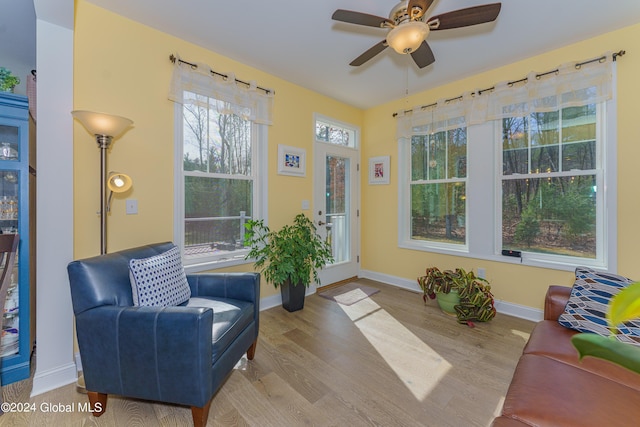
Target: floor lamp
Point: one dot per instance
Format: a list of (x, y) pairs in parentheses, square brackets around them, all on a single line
[(105, 127)]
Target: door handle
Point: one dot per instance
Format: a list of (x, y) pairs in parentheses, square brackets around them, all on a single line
[(321, 223)]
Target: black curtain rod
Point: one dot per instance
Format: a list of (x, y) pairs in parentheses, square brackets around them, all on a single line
[(173, 59), (614, 57)]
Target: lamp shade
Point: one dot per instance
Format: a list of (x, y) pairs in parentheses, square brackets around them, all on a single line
[(119, 182), (407, 37), (102, 124)]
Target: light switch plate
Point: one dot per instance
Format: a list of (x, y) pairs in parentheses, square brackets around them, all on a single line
[(305, 205), (132, 206)]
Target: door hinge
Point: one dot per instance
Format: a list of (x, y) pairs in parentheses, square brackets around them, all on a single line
[(358, 259), (358, 213), (357, 167)]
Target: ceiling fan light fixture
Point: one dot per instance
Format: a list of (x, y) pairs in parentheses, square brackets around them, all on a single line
[(407, 37)]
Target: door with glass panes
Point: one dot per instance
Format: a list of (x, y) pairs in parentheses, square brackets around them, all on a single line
[(336, 198)]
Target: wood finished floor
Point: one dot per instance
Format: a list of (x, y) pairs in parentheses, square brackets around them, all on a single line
[(387, 360)]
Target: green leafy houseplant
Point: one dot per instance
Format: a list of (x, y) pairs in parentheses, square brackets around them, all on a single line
[(476, 301), (625, 306), (290, 256), (7, 80)]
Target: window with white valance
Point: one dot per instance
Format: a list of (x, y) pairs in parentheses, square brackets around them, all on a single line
[(540, 170), (220, 163)]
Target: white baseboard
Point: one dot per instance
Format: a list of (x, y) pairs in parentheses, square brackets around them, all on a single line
[(54, 378), (521, 311), (504, 307), (270, 302)]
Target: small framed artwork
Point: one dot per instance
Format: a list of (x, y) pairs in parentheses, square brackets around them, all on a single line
[(291, 160), (379, 170)]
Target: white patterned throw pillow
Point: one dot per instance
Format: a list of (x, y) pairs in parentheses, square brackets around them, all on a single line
[(589, 301), (159, 280)]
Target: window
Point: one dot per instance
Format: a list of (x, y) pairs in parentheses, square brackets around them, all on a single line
[(438, 186), (221, 180), (335, 133), (550, 176), (529, 167), (220, 162)]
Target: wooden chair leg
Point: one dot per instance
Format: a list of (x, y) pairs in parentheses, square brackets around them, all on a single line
[(98, 402), (252, 350), (200, 415)]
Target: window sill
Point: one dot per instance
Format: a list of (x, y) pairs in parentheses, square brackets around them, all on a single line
[(528, 259), (213, 265)]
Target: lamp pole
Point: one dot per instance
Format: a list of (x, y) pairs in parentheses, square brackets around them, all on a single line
[(103, 142)]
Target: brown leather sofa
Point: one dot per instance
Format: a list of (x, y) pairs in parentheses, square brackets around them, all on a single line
[(551, 387)]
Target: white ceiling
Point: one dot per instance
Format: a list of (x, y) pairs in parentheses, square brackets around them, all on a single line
[(298, 41)]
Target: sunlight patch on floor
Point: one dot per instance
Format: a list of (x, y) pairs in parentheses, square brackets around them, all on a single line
[(418, 366), (523, 335), (498, 411)]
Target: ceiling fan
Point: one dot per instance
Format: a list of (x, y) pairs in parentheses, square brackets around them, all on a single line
[(409, 27)]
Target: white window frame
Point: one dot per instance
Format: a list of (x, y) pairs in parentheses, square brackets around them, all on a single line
[(260, 197), (317, 117), (405, 202), (484, 200)]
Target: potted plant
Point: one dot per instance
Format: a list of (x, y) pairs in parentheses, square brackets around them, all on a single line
[(288, 258), (459, 292), (7, 80)]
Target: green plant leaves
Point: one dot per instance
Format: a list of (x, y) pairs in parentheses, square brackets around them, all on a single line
[(294, 253), (625, 305), (476, 300), (609, 348), (7, 80)]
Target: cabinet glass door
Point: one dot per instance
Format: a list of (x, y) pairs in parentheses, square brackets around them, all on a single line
[(16, 335), (9, 191), (9, 142)]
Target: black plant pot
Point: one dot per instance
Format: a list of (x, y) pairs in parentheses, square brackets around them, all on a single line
[(292, 296)]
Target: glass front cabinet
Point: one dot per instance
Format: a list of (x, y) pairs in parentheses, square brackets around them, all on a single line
[(15, 346)]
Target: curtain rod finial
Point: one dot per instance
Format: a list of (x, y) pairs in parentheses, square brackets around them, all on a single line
[(619, 53)]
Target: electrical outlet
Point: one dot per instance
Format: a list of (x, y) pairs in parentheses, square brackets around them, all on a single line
[(132, 206), (482, 273)]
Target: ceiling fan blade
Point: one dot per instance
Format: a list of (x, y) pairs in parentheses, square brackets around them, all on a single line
[(466, 17), (423, 56), (367, 55), (422, 4), (360, 18)]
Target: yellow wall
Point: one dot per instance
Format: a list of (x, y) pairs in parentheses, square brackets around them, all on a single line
[(122, 67), (514, 283)]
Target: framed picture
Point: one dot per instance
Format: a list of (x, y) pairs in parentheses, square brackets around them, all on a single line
[(291, 160), (379, 170)]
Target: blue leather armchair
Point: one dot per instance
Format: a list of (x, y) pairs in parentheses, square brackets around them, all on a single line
[(181, 354)]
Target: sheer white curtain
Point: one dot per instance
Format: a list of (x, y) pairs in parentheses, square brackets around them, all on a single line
[(443, 116), (571, 85), (246, 101)]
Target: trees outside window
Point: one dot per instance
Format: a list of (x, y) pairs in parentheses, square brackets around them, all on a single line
[(550, 182), (334, 133), (534, 183), (219, 175), (438, 186)]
